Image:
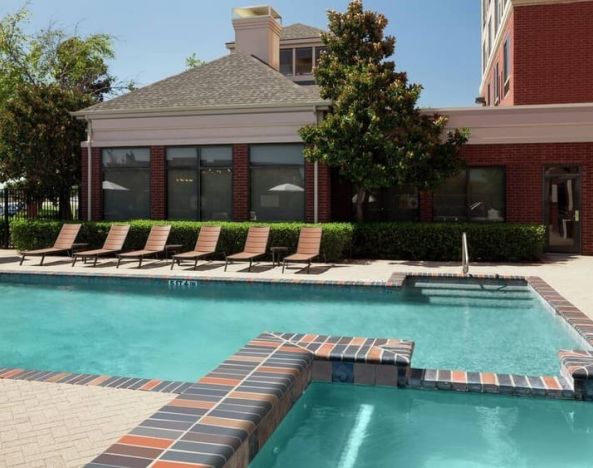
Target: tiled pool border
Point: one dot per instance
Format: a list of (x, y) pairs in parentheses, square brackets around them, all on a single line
[(224, 418), (95, 380)]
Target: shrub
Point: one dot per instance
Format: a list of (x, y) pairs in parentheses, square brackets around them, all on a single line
[(335, 245), (442, 241), (399, 241)]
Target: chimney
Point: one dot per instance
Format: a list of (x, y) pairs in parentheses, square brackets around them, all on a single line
[(257, 32)]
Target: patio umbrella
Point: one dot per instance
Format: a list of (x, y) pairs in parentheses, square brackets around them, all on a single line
[(287, 188), (113, 186)]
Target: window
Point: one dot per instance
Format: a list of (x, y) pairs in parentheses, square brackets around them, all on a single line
[(506, 65), (199, 183), (489, 95), (286, 61), (318, 52), (476, 194), (277, 183), (392, 204), (126, 183), (496, 85), (304, 61)]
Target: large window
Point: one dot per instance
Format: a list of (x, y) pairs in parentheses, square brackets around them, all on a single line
[(476, 194), (199, 182), (277, 183), (303, 61), (286, 61), (126, 183), (392, 204)]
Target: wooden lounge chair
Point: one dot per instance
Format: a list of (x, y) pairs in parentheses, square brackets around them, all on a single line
[(155, 245), (205, 246), (112, 246), (308, 247), (255, 247), (64, 244)]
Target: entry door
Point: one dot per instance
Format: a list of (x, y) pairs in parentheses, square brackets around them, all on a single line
[(562, 200)]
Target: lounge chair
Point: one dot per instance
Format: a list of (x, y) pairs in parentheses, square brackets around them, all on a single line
[(255, 247), (205, 246), (307, 249), (155, 245), (112, 246), (63, 244)]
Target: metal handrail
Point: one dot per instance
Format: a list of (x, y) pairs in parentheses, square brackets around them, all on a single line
[(464, 255)]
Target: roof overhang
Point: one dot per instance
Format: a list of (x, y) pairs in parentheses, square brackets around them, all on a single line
[(205, 110)]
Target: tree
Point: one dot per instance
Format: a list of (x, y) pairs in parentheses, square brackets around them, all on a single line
[(374, 132), (193, 61), (44, 77), (40, 140)]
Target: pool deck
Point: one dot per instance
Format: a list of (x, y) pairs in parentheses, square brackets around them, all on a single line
[(60, 425), (571, 276)]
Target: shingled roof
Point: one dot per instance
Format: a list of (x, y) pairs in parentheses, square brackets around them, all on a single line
[(232, 81), (300, 31)]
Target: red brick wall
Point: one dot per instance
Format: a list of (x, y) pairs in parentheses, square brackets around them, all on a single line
[(324, 193), (553, 53), (508, 98), (241, 201), (524, 166), (158, 183), (97, 184)]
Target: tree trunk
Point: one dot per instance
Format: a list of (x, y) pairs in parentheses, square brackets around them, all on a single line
[(360, 198)]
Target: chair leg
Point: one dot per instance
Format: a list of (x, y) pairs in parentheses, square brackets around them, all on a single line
[(195, 264), (250, 264), (22, 260), (118, 262), (74, 258), (309, 267), (226, 263), (172, 263), (95, 262), (140, 262), (42, 259), (283, 266)]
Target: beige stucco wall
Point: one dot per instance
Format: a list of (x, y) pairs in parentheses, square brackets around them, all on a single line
[(524, 124), (206, 129)]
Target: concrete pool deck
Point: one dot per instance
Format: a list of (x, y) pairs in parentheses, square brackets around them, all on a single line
[(60, 425), (571, 276)]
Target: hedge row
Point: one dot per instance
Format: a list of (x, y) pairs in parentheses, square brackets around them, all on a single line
[(399, 241)]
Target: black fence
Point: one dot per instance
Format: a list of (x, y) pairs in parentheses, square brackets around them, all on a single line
[(18, 204)]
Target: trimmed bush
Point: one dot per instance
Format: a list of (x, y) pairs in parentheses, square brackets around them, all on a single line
[(335, 245), (398, 241), (442, 241)]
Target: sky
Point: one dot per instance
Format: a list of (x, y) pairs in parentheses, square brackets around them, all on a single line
[(438, 41)]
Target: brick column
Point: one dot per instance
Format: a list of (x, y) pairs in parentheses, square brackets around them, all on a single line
[(158, 183), (241, 201), (425, 207), (97, 184), (323, 193)]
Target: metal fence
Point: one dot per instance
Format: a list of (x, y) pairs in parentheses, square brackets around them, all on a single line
[(18, 204)]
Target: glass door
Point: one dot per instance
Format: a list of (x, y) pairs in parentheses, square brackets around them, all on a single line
[(562, 202)]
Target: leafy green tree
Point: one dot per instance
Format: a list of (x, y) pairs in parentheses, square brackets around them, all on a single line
[(193, 61), (44, 77), (374, 133)]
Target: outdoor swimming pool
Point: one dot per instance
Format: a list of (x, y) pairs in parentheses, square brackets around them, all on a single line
[(350, 426), (149, 329)]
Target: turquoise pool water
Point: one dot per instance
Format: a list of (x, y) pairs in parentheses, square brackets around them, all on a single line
[(149, 329), (364, 427)]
